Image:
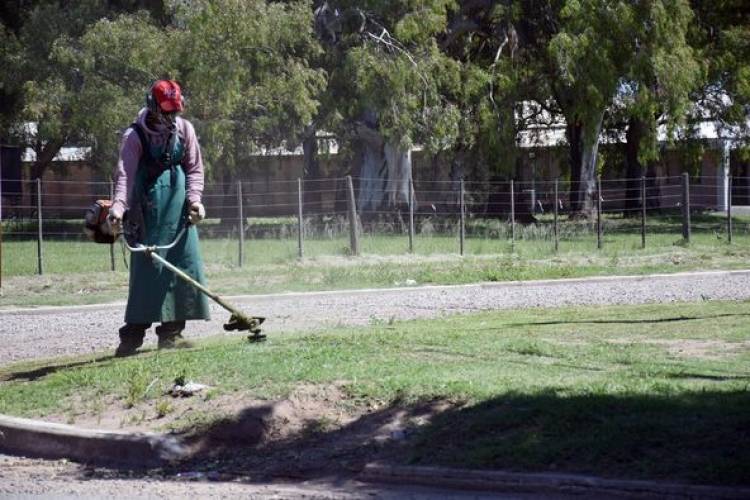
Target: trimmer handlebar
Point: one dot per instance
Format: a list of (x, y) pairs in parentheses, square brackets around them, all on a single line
[(140, 247)]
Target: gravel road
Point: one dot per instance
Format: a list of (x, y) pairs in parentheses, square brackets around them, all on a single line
[(54, 331), (23, 478)]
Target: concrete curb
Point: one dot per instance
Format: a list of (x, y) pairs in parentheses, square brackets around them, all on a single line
[(32, 438), (26, 437), (499, 481)]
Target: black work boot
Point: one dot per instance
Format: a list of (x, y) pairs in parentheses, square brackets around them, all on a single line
[(131, 338), (170, 335)]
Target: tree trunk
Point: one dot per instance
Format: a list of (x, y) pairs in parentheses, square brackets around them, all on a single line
[(633, 168), (44, 156), (458, 172), (398, 164), (583, 138), (311, 170), (384, 174)]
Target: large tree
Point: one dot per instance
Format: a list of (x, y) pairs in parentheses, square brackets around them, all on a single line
[(112, 65), (386, 77), (656, 90), (591, 51), (246, 66), (49, 103)]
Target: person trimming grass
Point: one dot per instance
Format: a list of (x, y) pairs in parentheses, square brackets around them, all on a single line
[(158, 181)]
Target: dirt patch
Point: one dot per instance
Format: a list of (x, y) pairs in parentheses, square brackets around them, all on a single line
[(691, 348), (316, 429), (308, 405), (707, 349)]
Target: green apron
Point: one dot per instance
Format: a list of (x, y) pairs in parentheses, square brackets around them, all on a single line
[(156, 294)]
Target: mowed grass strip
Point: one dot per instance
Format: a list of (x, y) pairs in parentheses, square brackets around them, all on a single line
[(657, 391), (76, 272)]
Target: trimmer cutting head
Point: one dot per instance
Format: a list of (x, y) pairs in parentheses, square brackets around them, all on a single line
[(240, 322)]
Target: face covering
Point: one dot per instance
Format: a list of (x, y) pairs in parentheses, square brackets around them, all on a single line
[(169, 120), (160, 119)]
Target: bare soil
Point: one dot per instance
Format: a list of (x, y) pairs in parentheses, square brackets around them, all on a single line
[(316, 430)]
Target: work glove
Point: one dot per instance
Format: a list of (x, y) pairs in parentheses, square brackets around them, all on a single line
[(196, 213), (114, 219)]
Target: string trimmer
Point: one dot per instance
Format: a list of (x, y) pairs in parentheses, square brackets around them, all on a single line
[(237, 321)]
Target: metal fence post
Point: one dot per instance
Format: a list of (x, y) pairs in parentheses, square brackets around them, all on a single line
[(686, 207), (599, 212), (353, 230), (39, 256), (300, 226), (643, 211), (241, 216), (462, 220), (556, 228), (729, 209), (112, 245), (512, 216), (411, 215)]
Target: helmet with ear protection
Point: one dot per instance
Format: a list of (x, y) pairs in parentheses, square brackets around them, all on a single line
[(165, 96), (151, 102)]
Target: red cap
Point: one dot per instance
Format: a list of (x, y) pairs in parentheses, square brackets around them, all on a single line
[(168, 95)]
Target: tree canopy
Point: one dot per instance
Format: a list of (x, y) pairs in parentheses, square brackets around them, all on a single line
[(462, 79)]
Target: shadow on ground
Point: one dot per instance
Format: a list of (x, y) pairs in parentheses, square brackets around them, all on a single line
[(42, 371), (627, 321), (699, 437)]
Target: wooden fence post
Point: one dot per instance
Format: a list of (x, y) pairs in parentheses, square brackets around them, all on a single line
[(512, 216), (353, 226), (643, 211), (241, 225), (411, 215), (39, 256), (686, 207), (729, 209), (300, 224), (462, 220), (599, 212), (556, 228), (112, 245)]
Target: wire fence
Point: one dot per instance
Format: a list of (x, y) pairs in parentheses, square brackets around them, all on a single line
[(323, 216)]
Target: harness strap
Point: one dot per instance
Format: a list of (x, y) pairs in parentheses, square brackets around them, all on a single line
[(155, 166)]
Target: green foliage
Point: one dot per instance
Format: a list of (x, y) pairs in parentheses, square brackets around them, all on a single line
[(721, 35), (393, 74), (115, 61), (247, 66), (10, 84), (443, 74)]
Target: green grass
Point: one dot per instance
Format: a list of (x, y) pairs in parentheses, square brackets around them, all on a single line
[(76, 273), (655, 391)]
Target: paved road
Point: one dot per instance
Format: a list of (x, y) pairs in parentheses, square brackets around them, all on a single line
[(22, 478), (54, 331)]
